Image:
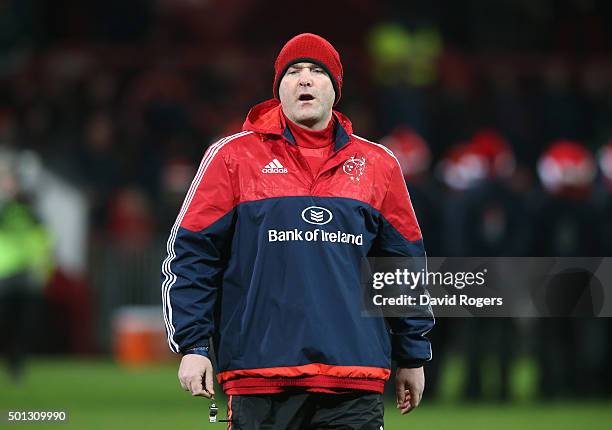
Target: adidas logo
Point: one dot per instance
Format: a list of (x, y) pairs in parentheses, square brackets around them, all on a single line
[(274, 166)]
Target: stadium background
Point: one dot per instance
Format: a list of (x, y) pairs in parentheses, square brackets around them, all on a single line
[(503, 109)]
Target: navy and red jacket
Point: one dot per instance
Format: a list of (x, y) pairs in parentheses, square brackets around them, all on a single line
[(264, 258)]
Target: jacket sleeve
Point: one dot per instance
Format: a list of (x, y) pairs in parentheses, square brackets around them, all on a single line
[(399, 235), (197, 253)]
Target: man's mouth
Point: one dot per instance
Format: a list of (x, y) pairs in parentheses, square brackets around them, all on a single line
[(305, 97)]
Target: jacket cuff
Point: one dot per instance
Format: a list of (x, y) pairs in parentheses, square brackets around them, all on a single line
[(199, 350), (410, 364)]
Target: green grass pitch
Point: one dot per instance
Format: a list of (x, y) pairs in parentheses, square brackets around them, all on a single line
[(101, 395)]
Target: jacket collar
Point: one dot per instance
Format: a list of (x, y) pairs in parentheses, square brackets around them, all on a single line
[(265, 118)]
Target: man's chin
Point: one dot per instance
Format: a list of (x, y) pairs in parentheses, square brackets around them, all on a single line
[(307, 117)]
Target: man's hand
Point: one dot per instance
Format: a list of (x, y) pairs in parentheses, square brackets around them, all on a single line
[(196, 375), (409, 386)]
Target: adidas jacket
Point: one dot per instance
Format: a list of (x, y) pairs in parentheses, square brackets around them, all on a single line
[(265, 259)]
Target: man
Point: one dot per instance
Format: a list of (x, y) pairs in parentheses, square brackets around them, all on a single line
[(26, 263), (264, 258)]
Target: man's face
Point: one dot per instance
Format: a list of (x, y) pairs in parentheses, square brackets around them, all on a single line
[(307, 95)]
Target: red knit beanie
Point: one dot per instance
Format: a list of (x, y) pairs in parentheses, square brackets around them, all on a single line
[(309, 48)]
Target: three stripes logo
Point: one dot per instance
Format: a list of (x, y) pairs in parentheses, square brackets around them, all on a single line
[(274, 166)]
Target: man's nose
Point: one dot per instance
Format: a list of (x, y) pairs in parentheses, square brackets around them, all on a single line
[(305, 79)]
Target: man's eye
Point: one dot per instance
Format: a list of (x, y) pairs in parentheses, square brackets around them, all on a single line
[(292, 72), (318, 70)]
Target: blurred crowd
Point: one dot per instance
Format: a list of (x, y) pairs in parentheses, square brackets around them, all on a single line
[(501, 116), (123, 100)]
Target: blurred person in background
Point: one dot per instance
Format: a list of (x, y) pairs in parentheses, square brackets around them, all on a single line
[(481, 208), (485, 219), (61, 208), (491, 219), (565, 223), (285, 315), (604, 205), (564, 214), (25, 265)]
